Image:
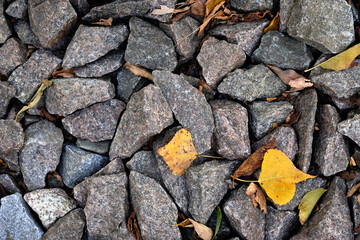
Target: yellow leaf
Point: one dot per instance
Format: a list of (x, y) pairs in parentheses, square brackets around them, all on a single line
[(202, 231), (279, 175), (274, 24), (179, 153), (308, 203), (257, 196), (214, 12), (210, 5), (341, 61)]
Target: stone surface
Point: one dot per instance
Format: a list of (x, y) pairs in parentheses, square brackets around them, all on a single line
[(259, 82), (280, 224), (332, 153), (355, 209), (217, 58), (231, 133), (328, 26), (264, 114), (251, 6), (5, 31), (12, 160), (7, 92), (95, 123), (40, 153), (28, 77), (9, 184), (12, 54), (71, 226), (91, 43), (334, 211), (351, 128), (76, 164), (146, 115), (207, 187), (98, 147), (156, 49), (282, 51), (16, 220), (81, 7), (11, 136), (127, 83), (145, 162), (49, 204), (284, 13), (189, 107), (248, 221), (67, 95), (24, 32), (152, 204), (104, 65)]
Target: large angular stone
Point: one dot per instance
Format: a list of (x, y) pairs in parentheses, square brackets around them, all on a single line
[(280, 224), (11, 136), (67, 95), (24, 32), (95, 123), (18, 9), (5, 31), (40, 153), (157, 49), (127, 83), (145, 162), (282, 51), (327, 26), (351, 128), (7, 92), (28, 77), (155, 212), (217, 58), (284, 13), (91, 43), (146, 115), (252, 6), (259, 82), (12, 54)]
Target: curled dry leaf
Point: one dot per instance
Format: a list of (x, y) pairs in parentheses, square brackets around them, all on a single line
[(214, 12), (197, 7), (274, 125), (104, 22), (210, 5), (257, 196), (166, 10), (274, 24), (65, 73), (308, 203), (3, 164), (139, 71), (202, 231), (353, 190), (292, 118), (133, 226)]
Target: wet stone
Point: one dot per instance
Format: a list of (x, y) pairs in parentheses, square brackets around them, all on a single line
[(351, 128), (145, 162), (251, 6), (49, 204), (11, 136), (5, 31), (67, 95), (127, 83), (280, 224), (97, 147), (12, 54), (231, 130), (18, 9), (91, 43), (258, 82), (328, 26), (95, 123), (282, 51), (24, 32), (284, 13), (152, 203), (217, 58), (9, 184), (40, 153), (157, 49), (7, 92)]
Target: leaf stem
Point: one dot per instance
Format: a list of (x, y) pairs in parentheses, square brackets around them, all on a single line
[(243, 180), (208, 156)]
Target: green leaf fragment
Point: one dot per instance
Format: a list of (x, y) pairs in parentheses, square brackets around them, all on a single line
[(218, 222), (308, 203)]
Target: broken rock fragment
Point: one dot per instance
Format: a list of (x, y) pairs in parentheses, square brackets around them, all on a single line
[(12, 54), (5, 31), (11, 136), (7, 92), (351, 128)]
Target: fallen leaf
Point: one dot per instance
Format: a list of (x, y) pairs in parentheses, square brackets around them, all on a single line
[(139, 71), (358, 198), (274, 24), (179, 16), (353, 190), (166, 10), (253, 16), (274, 125), (133, 226), (271, 99), (218, 221), (65, 73), (347, 175), (197, 7), (341, 61), (3, 164), (257, 196), (202, 231), (292, 118), (211, 15), (279, 175), (308, 203), (45, 114), (210, 5), (352, 162), (104, 22)]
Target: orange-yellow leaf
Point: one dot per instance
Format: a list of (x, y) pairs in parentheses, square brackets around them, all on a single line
[(274, 24), (202, 231), (211, 15), (179, 153), (279, 175), (257, 196), (353, 190), (210, 5)]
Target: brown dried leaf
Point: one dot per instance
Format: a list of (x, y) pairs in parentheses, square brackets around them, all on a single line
[(45, 114), (347, 175), (253, 16), (292, 118), (179, 16), (139, 71), (202, 231), (104, 22), (3, 164), (257, 196), (65, 73), (197, 7), (133, 226), (210, 5), (353, 190), (209, 17), (274, 125)]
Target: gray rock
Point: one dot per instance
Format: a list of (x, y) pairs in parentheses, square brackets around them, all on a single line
[(16, 220), (355, 207), (104, 65), (67, 95), (192, 80), (146, 115), (331, 151), (251, 6), (248, 221), (18, 9), (264, 114), (28, 77), (284, 13), (71, 226), (217, 58), (91, 43), (5, 31), (152, 204), (328, 26), (351, 128), (145, 162), (356, 156), (259, 82), (11, 136), (7, 92), (334, 211), (282, 51), (344, 103), (127, 83), (49, 204), (9, 184), (82, 7), (207, 187), (12, 160), (30, 119), (157, 49), (280, 224), (189, 107), (231, 133), (12, 54), (97, 147), (24, 32), (95, 123), (76, 164), (306, 105), (40, 153), (245, 34)]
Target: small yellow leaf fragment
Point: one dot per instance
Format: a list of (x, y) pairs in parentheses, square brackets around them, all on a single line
[(353, 190), (352, 162), (104, 22), (139, 71), (271, 99), (210, 5), (308, 203), (274, 24), (202, 231), (257, 196)]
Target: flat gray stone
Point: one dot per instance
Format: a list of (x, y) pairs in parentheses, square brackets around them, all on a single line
[(24, 32), (97, 147), (9, 184), (259, 82), (157, 49), (95, 123), (28, 77), (217, 58), (145, 162), (280, 224), (146, 115), (18, 9), (91, 43), (127, 84), (7, 92), (327, 26), (189, 107), (11, 136), (5, 31), (67, 95), (284, 13), (40, 153), (12, 54), (282, 51), (251, 6), (351, 128)]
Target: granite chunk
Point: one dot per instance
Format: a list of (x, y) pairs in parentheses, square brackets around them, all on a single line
[(12, 160), (351, 128), (280, 224), (12, 54), (251, 6), (9, 184), (11, 136), (127, 84), (5, 31), (97, 147), (24, 32), (81, 7), (18, 9), (284, 13), (145, 163), (7, 92)]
